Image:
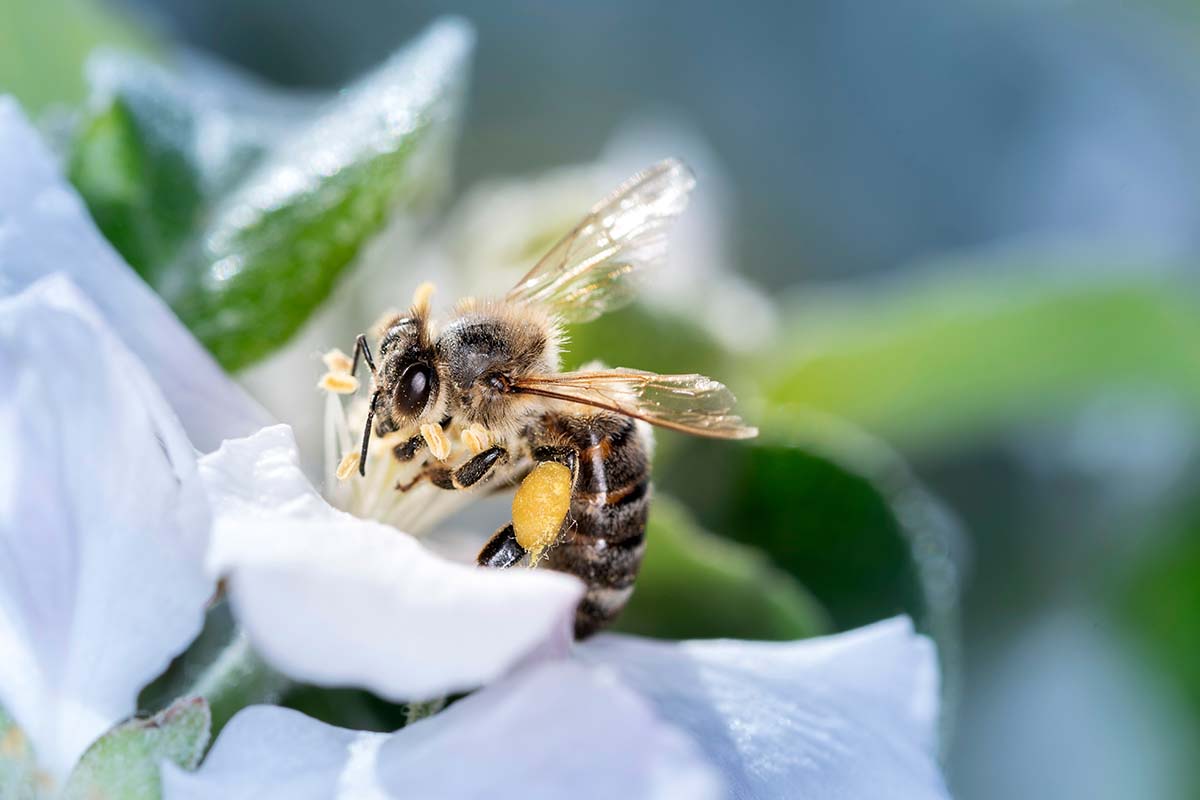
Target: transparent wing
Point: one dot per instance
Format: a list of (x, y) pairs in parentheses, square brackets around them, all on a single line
[(688, 403), (594, 268)]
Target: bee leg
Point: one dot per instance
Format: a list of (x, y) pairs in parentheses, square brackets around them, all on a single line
[(502, 550), (472, 472), (567, 456), (407, 451)]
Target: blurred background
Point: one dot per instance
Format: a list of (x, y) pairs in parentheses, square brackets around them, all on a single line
[(978, 224)]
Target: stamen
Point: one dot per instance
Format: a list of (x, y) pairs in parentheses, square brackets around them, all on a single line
[(476, 438), (337, 361), (348, 465), (13, 743), (338, 382), (435, 437), (374, 497)]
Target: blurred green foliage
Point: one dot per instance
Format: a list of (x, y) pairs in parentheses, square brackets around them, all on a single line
[(44, 44), (969, 350), (640, 337), (1159, 600), (695, 585), (837, 511)]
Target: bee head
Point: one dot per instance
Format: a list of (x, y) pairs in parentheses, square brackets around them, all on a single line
[(407, 380), (483, 352)]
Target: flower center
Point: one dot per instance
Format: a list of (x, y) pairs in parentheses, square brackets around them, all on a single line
[(391, 490)]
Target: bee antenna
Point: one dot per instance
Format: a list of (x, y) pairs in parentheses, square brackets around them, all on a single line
[(361, 348), (366, 437)]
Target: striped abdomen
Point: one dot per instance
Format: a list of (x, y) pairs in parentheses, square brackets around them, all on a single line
[(605, 532)]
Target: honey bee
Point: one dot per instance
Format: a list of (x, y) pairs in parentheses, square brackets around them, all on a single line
[(491, 376)]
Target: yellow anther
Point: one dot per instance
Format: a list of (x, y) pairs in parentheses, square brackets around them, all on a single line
[(540, 506), (435, 437), (347, 466), (337, 361), (422, 296), (338, 383), (476, 438), (12, 744)]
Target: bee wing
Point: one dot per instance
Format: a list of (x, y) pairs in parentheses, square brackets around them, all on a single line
[(689, 403), (594, 268)]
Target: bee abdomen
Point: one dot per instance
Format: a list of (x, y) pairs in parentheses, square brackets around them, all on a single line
[(605, 540)]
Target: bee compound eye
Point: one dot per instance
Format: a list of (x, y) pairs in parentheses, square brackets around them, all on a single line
[(412, 390)]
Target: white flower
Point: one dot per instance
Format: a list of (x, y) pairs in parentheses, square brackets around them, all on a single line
[(44, 229), (333, 599), (104, 525), (113, 534), (848, 716)]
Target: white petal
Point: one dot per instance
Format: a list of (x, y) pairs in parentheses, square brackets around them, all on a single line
[(847, 716), (266, 752), (333, 599), (103, 524), (557, 730), (45, 228)]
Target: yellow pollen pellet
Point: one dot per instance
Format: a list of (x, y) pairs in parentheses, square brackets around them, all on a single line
[(347, 465), (435, 437), (540, 506), (337, 361), (338, 383)]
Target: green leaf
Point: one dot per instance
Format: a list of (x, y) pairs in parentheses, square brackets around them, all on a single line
[(43, 46), (965, 353), (1158, 596), (124, 763), (696, 585), (18, 770), (245, 265), (837, 511), (134, 161)]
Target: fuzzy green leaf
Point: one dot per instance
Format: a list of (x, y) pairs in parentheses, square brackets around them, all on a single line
[(245, 264), (124, 763), (135, 163)]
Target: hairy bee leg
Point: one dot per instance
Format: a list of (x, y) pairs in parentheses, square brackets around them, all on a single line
[(502, 550), (464, 477), (407, 451)]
